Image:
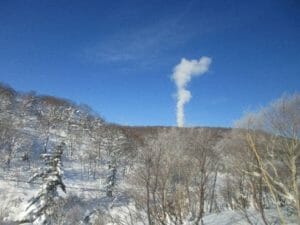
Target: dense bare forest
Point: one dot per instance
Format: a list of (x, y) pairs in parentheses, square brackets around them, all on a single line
[(61, 163)]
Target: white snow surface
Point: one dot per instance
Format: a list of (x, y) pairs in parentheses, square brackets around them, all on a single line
[(15, 193)]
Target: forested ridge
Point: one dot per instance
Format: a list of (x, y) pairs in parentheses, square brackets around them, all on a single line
[(113, 174)]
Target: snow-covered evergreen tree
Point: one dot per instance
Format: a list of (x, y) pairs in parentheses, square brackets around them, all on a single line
[(41, 206), (111, 178), (116, 146)]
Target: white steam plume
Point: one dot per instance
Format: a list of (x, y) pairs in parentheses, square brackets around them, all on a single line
[(182, 75)]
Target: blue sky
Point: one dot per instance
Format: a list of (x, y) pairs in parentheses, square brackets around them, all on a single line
[(118, 56)]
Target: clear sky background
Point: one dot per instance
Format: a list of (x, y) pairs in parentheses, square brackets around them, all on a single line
[(118, 56)]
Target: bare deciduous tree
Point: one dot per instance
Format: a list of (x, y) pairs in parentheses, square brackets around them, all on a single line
[(175, 176), (266, 152)]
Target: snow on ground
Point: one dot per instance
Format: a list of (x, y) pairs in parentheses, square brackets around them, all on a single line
[(239, 218), (14, 198), (230, 217), (15, 193)]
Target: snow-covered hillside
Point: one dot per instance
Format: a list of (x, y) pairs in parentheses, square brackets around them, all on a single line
[(141, 175)]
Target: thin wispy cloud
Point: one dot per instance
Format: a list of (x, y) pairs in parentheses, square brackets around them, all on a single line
[(139, 44), (144, 43)]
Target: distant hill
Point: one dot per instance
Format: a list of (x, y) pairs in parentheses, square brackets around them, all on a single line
[(39, 121), (140, 134)]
